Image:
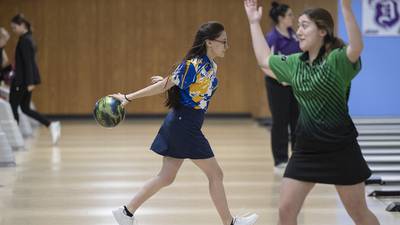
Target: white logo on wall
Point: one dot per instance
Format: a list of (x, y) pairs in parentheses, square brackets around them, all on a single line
[(381, 17)]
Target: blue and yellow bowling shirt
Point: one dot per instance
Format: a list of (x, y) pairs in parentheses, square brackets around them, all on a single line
[(197, 81)]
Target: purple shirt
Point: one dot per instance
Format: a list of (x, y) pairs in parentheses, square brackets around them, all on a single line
[(283, 45)]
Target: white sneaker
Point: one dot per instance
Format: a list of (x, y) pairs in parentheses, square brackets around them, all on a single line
[(55, 131), (122, 218), (245, 220), (280, 168)]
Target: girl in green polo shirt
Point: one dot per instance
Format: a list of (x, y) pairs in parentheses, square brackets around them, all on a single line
[(326, 149)]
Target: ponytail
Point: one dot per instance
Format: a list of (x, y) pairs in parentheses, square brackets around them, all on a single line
[(173, 99), (207, 31), (331, 43)]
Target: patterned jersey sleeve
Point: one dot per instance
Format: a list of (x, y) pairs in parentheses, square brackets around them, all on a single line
[(184, 75), (283, 66), (343, 65)]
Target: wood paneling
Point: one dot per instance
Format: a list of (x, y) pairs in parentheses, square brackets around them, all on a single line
[(90, 48)]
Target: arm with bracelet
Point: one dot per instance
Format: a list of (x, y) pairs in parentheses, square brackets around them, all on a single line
[(154, 89)]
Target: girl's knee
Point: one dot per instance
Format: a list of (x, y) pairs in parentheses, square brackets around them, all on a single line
[(287, 212), (166, 180), (359, 214)]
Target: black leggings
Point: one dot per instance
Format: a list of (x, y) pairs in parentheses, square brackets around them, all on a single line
[(20, 96)]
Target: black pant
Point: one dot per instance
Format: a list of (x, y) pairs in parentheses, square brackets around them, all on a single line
[(20, 96), (285, 111)]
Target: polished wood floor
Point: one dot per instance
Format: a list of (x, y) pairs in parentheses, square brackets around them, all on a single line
[(93, 170)]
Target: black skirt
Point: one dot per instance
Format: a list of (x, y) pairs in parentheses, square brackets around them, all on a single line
[(180, 135), (339, 164)]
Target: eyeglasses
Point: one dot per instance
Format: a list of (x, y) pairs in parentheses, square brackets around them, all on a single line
[(222, 42)]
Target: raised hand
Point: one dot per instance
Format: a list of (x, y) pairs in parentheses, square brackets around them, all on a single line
[(254, 12), (356, 44), (260, 47)]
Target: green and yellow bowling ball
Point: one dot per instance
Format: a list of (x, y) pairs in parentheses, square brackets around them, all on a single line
[(108, 111)]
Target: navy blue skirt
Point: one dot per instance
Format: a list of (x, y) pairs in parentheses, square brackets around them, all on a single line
[(180, 135)]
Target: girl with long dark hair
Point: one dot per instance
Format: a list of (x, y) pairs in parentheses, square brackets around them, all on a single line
[(190, 88)]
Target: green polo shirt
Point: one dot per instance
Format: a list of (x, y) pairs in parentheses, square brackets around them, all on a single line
[(321, 91)]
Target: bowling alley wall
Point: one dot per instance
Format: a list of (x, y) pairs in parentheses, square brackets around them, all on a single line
[(91, 48)]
